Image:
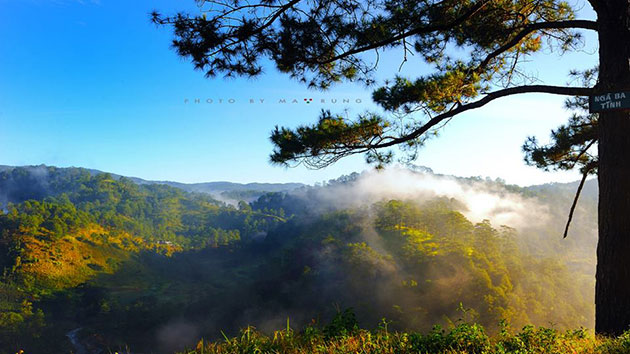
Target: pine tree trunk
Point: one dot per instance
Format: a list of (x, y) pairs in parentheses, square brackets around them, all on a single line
[(612, 294)]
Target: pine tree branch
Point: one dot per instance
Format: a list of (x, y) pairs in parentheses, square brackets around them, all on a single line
[(556, 90), (531, 28), (418, 30), (324, 156), (582, 24)]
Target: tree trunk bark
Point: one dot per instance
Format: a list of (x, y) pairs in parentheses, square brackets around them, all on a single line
[(612, 294)]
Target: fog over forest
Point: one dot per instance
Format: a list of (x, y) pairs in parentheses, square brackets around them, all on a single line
[(147, 265)]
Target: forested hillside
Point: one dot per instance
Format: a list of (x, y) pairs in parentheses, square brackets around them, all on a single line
[(154, 268)]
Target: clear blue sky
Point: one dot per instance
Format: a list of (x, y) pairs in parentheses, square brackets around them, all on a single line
[(94, 84)]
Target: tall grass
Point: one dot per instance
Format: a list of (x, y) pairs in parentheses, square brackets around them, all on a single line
[(463, 338)]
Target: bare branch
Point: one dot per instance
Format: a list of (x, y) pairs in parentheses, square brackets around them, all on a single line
[(587, 170)]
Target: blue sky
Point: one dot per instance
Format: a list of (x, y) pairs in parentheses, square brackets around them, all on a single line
[(94, 84)]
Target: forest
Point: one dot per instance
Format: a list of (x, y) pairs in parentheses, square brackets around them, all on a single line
[(93, 261)]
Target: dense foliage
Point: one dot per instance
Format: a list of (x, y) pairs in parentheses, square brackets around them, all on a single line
[(155, 268), (63, 227)]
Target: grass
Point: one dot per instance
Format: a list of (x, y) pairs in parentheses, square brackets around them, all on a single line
[(464, 338)]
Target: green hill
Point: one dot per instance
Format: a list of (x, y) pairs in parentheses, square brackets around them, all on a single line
[(154, 268)]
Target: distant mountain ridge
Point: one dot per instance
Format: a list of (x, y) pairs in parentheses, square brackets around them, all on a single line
[(589, 191), (224, 186), (232, 192), (202, 187)]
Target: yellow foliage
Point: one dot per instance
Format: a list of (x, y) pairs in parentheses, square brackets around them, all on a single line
[(77, 257)]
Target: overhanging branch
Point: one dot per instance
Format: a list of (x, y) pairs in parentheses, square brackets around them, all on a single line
[(556, 90)]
